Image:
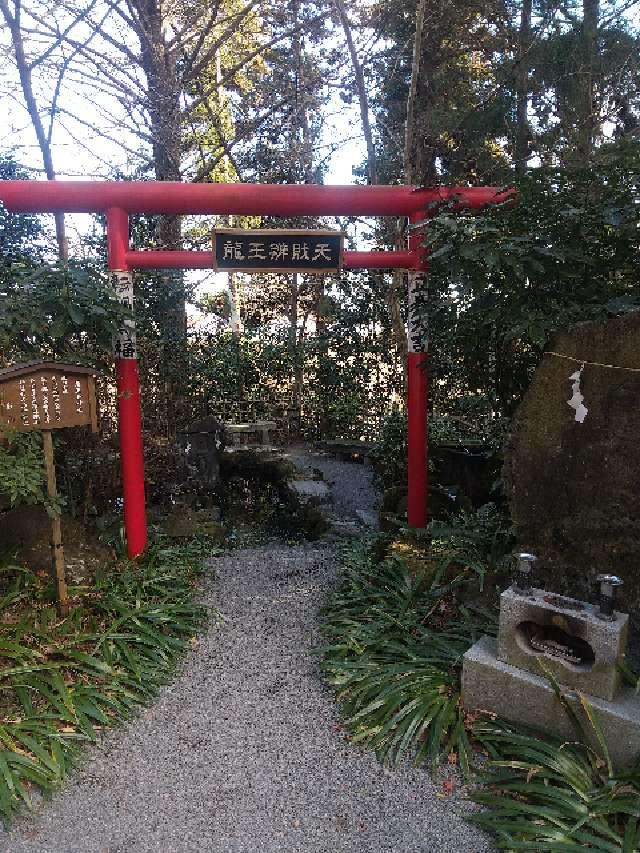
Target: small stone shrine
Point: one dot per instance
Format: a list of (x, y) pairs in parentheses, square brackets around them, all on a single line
[(543, 636), (202, 442)]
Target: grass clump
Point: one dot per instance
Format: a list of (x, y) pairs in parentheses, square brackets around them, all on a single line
[(543, 794), (394, 645), (63, 681)]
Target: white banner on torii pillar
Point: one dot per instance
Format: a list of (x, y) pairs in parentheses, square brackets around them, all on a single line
[(417, 332), (124, 340)]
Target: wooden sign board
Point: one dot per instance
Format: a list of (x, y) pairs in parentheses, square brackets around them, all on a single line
[(47, 395), (265, 250)]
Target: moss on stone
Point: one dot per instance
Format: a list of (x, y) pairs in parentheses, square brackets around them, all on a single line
[(574, 488), (183, 522)]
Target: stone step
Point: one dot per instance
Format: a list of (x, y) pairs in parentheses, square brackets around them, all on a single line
[(311, 490), (368, 518)]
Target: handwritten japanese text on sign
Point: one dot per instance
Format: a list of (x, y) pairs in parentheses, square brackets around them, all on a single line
[(278, 251), (47, 395)]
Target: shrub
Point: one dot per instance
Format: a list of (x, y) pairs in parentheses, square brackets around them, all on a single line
[(22, 475), (395, 673)]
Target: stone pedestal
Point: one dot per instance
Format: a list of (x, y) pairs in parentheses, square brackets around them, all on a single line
[(581, 649), (490, 684)]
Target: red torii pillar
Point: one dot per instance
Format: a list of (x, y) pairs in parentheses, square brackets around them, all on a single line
[(118, 199), (128, 388), (417, 390)]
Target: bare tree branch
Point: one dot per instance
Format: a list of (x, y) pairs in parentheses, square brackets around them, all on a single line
[(208, 167), (361, 90), (204, 32), (63, 35), (194, 68), (24, 72), (230, 75)]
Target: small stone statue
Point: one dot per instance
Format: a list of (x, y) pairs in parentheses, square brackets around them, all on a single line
[(202, 443)]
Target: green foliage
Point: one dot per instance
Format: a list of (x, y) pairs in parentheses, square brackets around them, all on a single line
[(503, 280), (564, 124), (473, 423), (395, 640), (470, 85), (479, 540), (353, 369), (395, 674), (22, 474), (21, 236), (547, 795), (56, 311), (462, 112), (62, 682), (391, 453), (49, 310), (223, 365)]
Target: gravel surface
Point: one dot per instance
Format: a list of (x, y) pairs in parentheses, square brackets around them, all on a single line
[(244, 752), (352, 484)]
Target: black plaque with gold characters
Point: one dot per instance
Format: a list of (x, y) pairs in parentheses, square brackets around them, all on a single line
[(267, 250)]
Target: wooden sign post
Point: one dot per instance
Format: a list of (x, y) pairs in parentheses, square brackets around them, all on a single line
[(57, 551), (46, 396)]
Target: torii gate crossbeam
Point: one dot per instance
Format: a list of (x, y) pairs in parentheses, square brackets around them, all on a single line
[(118, 199)]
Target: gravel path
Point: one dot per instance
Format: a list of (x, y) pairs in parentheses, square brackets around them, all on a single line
[(244, 752), (352, 484)]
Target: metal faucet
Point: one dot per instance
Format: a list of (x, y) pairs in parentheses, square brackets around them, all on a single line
[(608, 590), (524, 573)]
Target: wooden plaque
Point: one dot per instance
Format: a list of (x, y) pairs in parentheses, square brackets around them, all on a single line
[(47, 395), (277, 250)]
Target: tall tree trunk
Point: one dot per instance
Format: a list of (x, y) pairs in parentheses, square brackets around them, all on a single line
[(397, 283), (235, 319), (160, 69), (236, 328), (587, 108), (304, 147), (394, 288), (159, 64), (234, 299), (361, 89), (522, 135), (44, 139), (294, 344), (419, 150)]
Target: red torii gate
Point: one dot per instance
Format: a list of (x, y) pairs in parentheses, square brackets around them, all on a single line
[(117, 199)]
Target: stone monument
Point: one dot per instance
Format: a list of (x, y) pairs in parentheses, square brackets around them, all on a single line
[(544, 636), (572, 467), (195, 510)]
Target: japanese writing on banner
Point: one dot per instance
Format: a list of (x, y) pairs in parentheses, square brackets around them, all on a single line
[(124, 340), (277, 251)]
